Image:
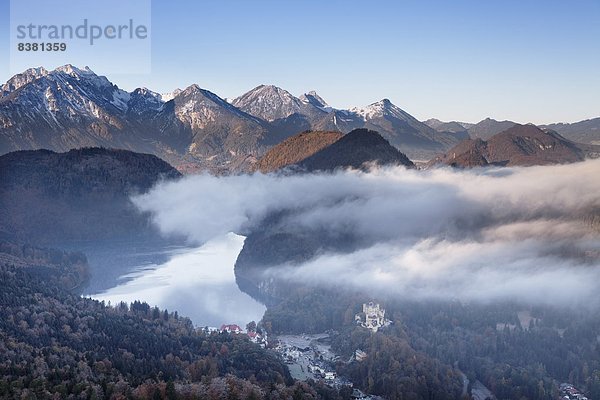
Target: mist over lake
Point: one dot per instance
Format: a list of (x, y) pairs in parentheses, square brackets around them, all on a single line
[(197, 282)]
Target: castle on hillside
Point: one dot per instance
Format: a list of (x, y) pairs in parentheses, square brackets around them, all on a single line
[(372, 317)]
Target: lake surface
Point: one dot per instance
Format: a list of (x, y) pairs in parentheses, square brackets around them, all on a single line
[(198, 283)]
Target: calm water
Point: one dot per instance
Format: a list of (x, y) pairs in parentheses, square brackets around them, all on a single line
[(199, 283)]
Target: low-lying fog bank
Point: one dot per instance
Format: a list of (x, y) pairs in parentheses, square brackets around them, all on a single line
[(522, 234)]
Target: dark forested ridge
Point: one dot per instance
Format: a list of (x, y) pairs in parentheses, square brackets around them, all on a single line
[(58, 345), (393, 369), (49, 197), (69, 271), (516, 351)]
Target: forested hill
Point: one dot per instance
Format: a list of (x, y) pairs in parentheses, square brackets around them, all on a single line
[(356, 149), (295, 149), (69, 271), (58, 345), (327, 151), (49, 197)]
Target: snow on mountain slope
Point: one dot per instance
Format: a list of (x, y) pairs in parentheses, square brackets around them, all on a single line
[(170, 95), (270, 103), (72, 107), (381, 109), (22, 79), (313, 98)]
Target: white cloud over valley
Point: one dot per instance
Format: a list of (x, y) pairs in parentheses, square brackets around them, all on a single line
[(479, 235)]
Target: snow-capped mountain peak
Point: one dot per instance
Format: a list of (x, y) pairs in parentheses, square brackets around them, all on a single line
[(267, 93), (170, 95), (70, 69), (270, 102), (85, 74), (147, 92), (195, 93), (66, 90), (198, 107), (39, 71), (142, 100), (22, 79), (382, 108), (87, 80), (313, 98)]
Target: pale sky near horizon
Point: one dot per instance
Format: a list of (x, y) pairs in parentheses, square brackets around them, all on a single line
[(528, 60)]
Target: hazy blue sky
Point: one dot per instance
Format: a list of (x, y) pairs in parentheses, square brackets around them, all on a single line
[(529, 61)]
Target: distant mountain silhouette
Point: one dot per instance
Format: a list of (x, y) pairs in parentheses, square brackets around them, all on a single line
[(488, 127), (521, 145), (587, 131)]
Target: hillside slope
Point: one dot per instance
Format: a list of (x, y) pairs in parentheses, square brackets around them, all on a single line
[(295, 149), (49, 197), (356, 149), (587, 131), (59, 345)]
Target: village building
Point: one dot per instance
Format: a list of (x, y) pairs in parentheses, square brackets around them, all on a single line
[(360, 355), (208, 330), (233, 328), (257, 338)]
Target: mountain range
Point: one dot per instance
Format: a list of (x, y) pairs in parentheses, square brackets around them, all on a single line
[(586, 132), (194, 129), (70, 108)]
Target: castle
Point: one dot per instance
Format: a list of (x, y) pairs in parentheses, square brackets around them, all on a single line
[(372, 317)]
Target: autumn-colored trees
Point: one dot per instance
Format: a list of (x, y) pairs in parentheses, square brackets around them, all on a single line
[(54, 343)]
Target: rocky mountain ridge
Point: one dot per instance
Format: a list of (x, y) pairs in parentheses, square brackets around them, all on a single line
[(196, 130)]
